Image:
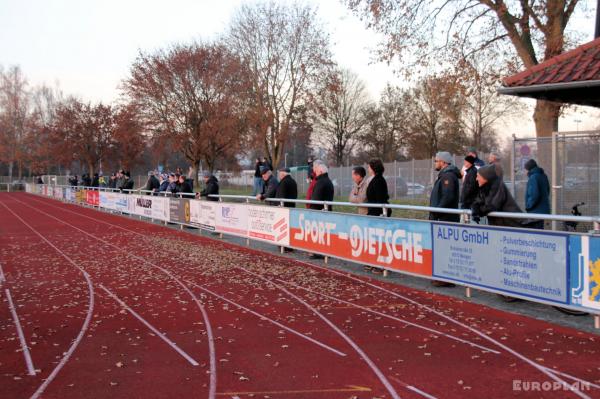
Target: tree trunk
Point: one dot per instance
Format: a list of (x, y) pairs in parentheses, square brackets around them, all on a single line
[(10, 169), (195, 167), (545, 117), (91, 169)]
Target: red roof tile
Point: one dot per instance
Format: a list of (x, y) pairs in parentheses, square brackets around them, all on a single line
[(578, 65)]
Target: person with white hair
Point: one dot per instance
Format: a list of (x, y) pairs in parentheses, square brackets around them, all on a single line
[(323, 190)]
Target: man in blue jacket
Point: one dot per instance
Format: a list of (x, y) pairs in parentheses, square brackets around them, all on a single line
[(537, 196)]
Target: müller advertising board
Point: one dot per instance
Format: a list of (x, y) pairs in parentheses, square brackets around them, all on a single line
[(403, 245), (269, 223), (149, 206), (507, 260)]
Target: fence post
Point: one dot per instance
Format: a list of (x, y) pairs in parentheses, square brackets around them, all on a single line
[(395, 180), (248, 239), (512, 164), (554, 179)]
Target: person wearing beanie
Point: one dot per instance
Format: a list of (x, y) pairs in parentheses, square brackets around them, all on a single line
[(537, 195), (494, 196), (472, 151), (470, 188), (445, 192)]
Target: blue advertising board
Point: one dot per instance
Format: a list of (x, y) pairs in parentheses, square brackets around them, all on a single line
[(585, 271), (511, 261)]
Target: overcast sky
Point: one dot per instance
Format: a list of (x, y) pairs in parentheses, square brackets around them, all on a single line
[(87, 46)]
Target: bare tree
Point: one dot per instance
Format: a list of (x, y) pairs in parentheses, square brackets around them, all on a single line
[(14, 111), (436, 117), (287, 52), (193, 96), (388, 125), (421, 32), (340, 117)]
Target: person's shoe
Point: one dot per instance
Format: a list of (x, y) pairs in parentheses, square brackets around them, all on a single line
[(316, 256), (509, 299), (367, 268), (376, 270), (437, 283), (288, 250)]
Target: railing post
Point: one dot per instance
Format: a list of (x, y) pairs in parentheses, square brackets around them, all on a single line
[(597, 321), (221, 234)]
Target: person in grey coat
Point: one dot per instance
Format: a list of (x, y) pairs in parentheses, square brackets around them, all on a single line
[(358, 194), (270, 187)]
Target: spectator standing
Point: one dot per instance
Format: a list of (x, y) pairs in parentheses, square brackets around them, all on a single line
[(377, 190), (470, 188), (494, 159), (112, 181), (127, 182), (152, 184), (312, 180), (86, 180), (40, 180), (120, 179), (96, 180), (358, 194), (257, 187), (323, 189), (494, 197), (309, 171), (287, 189), (211, 186), (266, 162), (269, 187), (472, 151), (537, 195), (184, 186), (164, 183), (445, 192), (173, 187), (102, 180)]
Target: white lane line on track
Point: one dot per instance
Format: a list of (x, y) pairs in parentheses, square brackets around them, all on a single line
[(86, 322), (263, 317), (542, 369), (152, 328), (335, 328), (25, 349), (2, 278), (510, 351), (591, 384), (431, 330), (414, 389), (212, 391)]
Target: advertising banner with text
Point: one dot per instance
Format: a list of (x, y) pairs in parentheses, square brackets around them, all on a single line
[(508, 260), (232, 218), (403, 245), (269, 223)]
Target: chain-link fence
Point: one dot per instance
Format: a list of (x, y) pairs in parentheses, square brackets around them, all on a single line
[(572, 162)]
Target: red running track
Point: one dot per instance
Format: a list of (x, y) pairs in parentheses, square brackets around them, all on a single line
[(108, 306)]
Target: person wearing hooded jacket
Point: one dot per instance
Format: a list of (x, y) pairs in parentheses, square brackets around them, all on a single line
[(377, 190), (211, 187), (537, 195), (445, 192), (470, 188), (494, 196)]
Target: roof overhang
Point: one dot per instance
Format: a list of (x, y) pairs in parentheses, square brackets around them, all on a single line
[(581, 93)]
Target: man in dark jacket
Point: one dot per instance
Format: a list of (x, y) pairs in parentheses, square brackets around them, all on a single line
[(152, 184), (211, 186), (185, 187), (127, 183), (96, 180), (494, 197), (287, 188), (323, 190), (445, 189), (270, 186), (537, 196), (470, 188)]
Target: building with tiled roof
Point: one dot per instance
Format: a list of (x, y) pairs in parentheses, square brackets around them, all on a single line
[(571, 77)]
